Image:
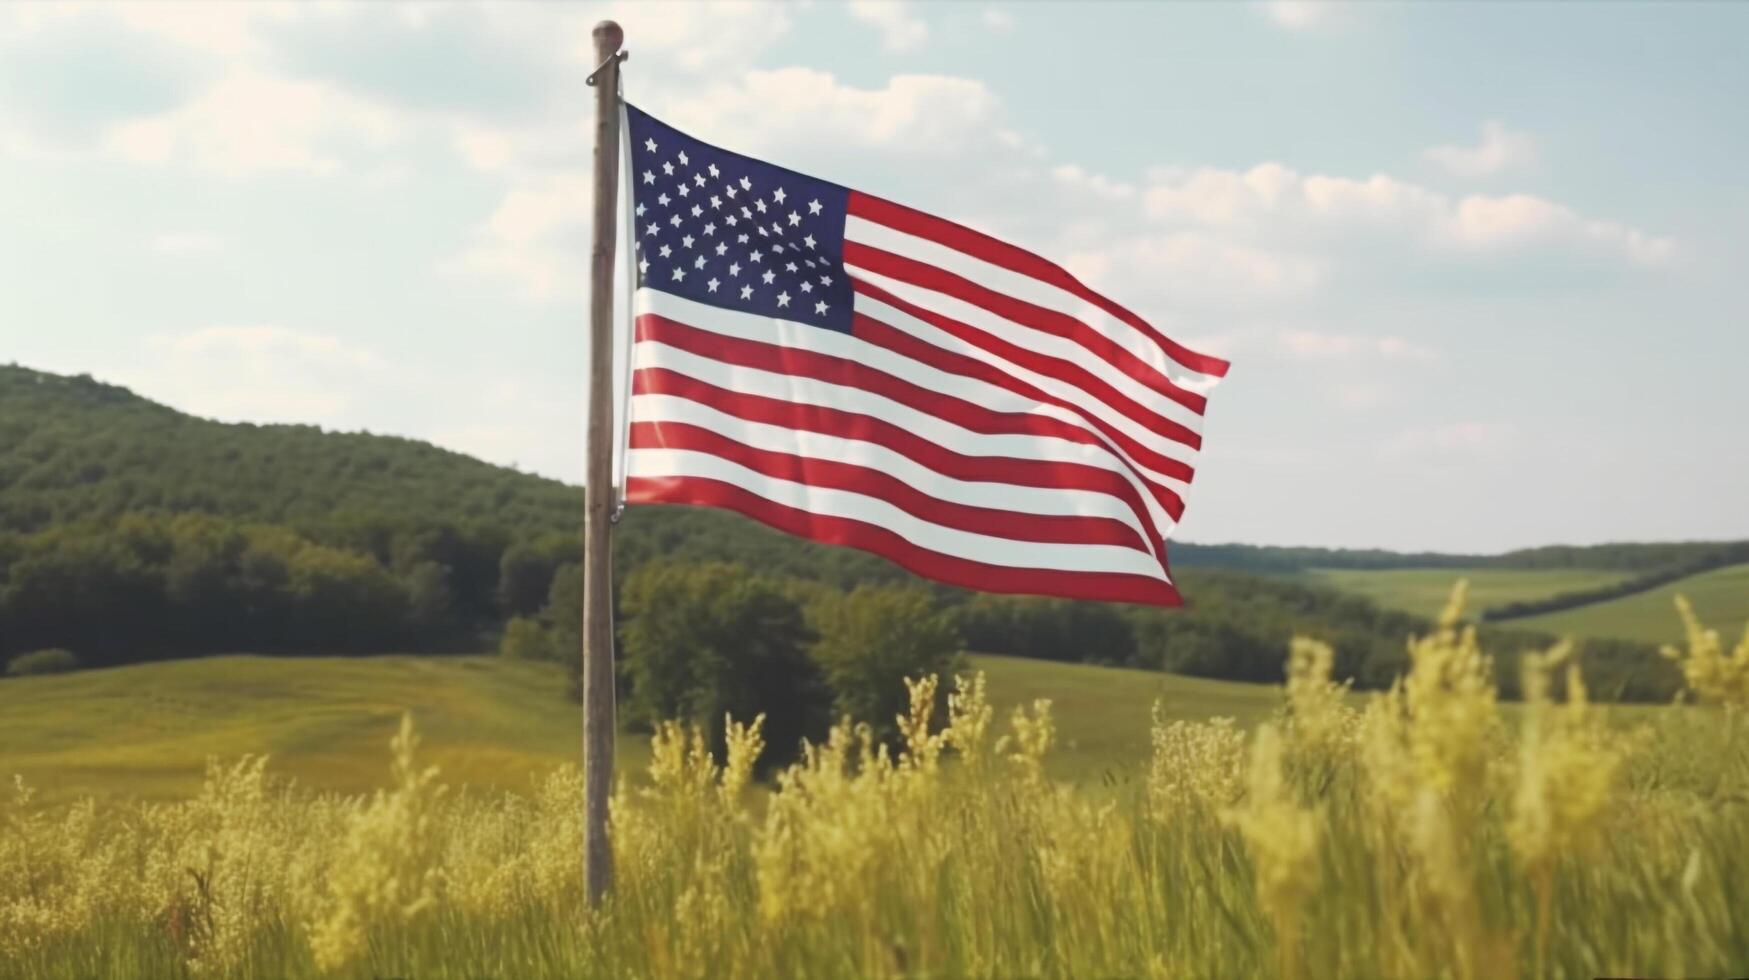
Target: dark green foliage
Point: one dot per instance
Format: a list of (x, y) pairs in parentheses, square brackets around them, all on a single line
[(874, 637), (701, 641), (526, 639), (53, 661), (1048, 629), (1699, 559)]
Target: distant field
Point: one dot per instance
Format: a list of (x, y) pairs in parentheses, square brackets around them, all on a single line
[(1720, 597), (146, 730), (1424, 591)]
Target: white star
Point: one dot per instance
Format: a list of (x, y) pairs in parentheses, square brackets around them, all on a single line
[(716, 202), (713, 170), (820, 307), (813, 207), (760, 204), (734, 268), (825, 280), (777, 228), (794, 219), (650, 145), (663, 199), (683, 189), (757, 255), (741, 239), (666, 251), (747, 214), (730, 190), (696, 210), (762, 232), (698, 179), (643, 265), (769, 276), (683, 158), (778, 197), (698, 263), (722, 248), (778, 249), (807, 287), (640, 211), (746, 184), (808, 240), (782, 299), (679, 273), (668, 169), (790, 266), (746, 292), (686, 240), (675, 221), (712, 284), (710, 227), (649, 178), (650, 229), (730, 220)]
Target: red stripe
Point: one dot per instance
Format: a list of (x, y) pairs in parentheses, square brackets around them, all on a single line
[(1051, 367), (1107, 586), (780, 359), (1026, 314), (865, 327), (864, 428), (836, 475), (1016, 259)]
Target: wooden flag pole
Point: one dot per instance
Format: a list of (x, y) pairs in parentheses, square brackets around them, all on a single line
[(598, 493)]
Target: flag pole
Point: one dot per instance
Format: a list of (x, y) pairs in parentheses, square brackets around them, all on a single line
[(598, 491)]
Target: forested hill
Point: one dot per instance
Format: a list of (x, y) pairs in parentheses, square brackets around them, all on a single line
[(131, 531)]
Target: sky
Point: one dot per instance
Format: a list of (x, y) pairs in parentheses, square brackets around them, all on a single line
[(1480, 268)]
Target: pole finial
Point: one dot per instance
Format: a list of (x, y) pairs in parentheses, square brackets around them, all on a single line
[(608, 37)]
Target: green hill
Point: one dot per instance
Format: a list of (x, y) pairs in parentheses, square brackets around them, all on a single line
[(1424, 591), (147, 730), (1720, 597)]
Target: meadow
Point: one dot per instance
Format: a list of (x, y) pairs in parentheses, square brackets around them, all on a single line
[(1418, 833), (1720, 597), (1424, 591), (145, 731)]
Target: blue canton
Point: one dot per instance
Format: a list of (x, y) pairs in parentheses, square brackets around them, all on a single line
[(734, 232)]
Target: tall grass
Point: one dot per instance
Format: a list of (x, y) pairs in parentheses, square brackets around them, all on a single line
[(1422, 836)]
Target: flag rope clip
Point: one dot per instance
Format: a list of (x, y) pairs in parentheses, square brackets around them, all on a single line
[(616, 56)]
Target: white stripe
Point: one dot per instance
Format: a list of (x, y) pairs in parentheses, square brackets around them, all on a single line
[(749, 326), (1091, 406), (1035, 291), (1019, 500), (808, 391), (659, 463), (1029, 338)]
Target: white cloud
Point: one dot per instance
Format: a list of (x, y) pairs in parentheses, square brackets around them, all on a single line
[(524, 240), (185, 243), (997, 19), (900, 29), (1300, 15), (1500, 150), (1318, 344), (1454, 437), (1272, 200), (254, 373)]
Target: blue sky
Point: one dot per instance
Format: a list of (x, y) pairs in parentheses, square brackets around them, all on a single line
[(1480, 267)]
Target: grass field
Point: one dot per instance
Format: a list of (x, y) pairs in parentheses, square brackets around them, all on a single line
[(1720, 597), (145, 731), (1424, 591)]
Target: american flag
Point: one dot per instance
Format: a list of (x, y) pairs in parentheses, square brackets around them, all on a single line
[(854, 371)]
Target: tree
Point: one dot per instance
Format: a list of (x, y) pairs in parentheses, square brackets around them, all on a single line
[(872, 639), (704, 640)]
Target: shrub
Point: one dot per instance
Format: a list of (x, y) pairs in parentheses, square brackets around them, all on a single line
[(871, 640), (42, 662), (524, 639)]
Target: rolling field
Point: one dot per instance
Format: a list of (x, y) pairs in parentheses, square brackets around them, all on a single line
[(1424, 591), (1720, 597), (145, 731)]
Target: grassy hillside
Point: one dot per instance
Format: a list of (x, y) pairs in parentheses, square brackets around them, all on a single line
[(1424, 591), (146, 730), (1720, 597)]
